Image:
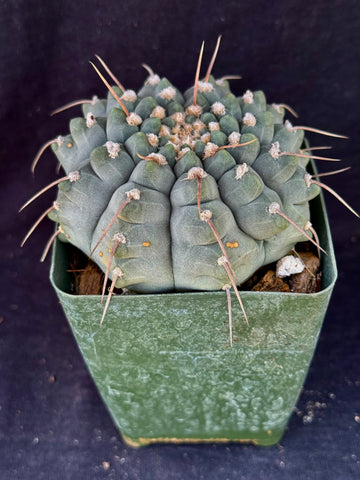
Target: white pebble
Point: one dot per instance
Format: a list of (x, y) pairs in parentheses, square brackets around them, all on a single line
[(288, 266)]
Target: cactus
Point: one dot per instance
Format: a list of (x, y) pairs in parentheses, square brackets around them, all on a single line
[(174, 192)]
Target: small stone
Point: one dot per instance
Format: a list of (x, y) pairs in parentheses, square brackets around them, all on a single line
[(289, 265)]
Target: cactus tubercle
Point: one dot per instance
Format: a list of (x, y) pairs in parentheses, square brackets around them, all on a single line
[(182, 191)]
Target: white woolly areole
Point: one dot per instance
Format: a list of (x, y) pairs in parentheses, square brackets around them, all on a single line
[(248, 97), (176, 147), (249, 119), (133, 194), (168, 93), (289, 126), (134, 119), (153, 79), (196, 172), (74, 176), (276, 107), (117, 272), (205, 86), (210, 149), (213, 126), (157, 158), (222, 261), (94, 99), (205, 137), (152, 139), (275, 150), (198, 125), (90, 119), (220, 82), (129, 96), (273, 208), (164, 131), (176, 129), (56, 205), (234, 138), (308, 225), (158, 112), (113, 149), (119, 237), (289, 265), (241, 170), (218, 108), (307, 178), (59, 140), (205, 215), (194, 110), (193, 144), (179, 117), (182, 152)]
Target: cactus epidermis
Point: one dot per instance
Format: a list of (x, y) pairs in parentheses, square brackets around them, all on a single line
[(149, 164)]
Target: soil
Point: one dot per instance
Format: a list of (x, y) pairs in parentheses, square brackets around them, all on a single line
[(88, 278)]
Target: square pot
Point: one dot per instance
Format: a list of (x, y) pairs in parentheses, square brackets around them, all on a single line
[(164, 367)]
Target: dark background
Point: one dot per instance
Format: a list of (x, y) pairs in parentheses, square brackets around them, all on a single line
[(53, 424)]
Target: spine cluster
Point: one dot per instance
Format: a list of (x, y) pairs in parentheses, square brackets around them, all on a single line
[(173, 192)]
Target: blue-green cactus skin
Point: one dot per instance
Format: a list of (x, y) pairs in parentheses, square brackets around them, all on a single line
[(150, 147)]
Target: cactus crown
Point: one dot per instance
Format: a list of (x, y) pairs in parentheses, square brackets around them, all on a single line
[(169, 191)]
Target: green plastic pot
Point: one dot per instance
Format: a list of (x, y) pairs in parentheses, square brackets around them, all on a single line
[(164, 366)]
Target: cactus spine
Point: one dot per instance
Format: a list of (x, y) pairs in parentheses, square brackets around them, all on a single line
[(175, 192)]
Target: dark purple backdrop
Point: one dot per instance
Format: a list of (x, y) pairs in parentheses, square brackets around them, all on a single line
[(53, 424)]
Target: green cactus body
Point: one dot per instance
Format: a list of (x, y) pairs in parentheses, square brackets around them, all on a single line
[(154, 158)]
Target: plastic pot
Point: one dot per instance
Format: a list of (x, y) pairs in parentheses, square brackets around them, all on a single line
[(164, 366)]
